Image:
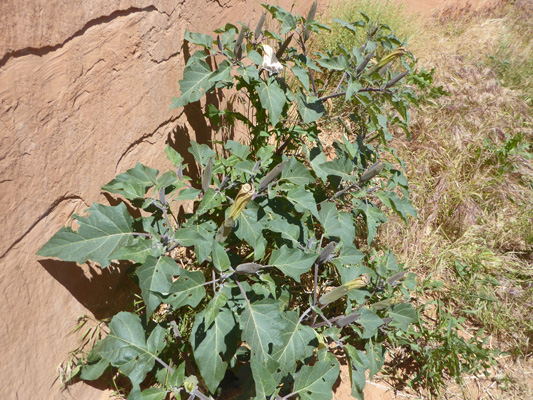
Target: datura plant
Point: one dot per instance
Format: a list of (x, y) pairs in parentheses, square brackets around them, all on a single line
[(264, 282)]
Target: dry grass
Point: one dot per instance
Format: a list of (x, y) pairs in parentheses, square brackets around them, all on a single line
[(470, 168)]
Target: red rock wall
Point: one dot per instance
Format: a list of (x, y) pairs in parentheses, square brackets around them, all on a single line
[(85, 87)]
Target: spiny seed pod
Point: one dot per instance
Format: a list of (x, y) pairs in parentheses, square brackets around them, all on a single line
[(284, 46), (364, 63), (348, 319), (259, 27), (248, 268), (206, 175), (395, 80), (269, 178), (326, 253), (342, 290), (371, 172)]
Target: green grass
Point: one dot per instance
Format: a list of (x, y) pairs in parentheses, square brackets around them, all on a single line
[(386, 12)]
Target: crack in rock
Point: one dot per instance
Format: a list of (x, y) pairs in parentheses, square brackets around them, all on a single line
[(41, 51)]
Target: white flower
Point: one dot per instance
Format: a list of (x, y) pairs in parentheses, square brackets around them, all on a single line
[(270, 62)]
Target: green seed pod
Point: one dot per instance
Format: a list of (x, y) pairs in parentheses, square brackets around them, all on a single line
[(269, 178), (371, 172)]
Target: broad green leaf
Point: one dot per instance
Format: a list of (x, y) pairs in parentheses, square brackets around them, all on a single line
[(90, 372), (341, 167), (156, 340), (290, 230), (210, 200), (349, 255), (187, 194), (195, 84), (139, 250), (99, 235), (188, 289), (352, 27), (125, 347), (213, 345), (272, 99), (317, 158), (374, 218), (250, 229), (222, 76), (155, 277), (353, 87), (297, 344), (402, 316), (292, 262), (310, 108), (199, 38), (262, 326), (296, 172), (154, 393), (256, 58), (220, 257), (173, 156), (339, 63), (201, 152), (177, 378), (302, 75), (316, 382), (376, 358), (237, 149), (402, 207), (134, 183), (214, 306), (370, 322), (265, 383), (249, 74), (303, 200), (359, 364), (337, 223)]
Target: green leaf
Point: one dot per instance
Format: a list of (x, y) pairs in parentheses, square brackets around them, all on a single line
[(237, 149), (90, 372), (154, 393), (187, 194), (402, 316), (359, 364), (210, 200), (214, 306), (265, 383), (187, 290), (272, 99), (212, 344), (220, 257), (402, 207), (195, 84), (138, 251), (251, 230), (376, 358), (310, 108), (302, 75), (199, 38), (177, 378), (374, 218), (316, 382), (297, 344), (125, 347), (341, 167), (303, 200), (155, 276), (222, 76), (339, 63), (100, 234), (255, 57), (370, 322), (337, 223), (262, 325), (201, 152), (292, 262), (134, 183), (173, 156), (296, 172)]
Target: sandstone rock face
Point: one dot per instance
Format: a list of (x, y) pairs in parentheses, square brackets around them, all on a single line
[(85, 87)]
